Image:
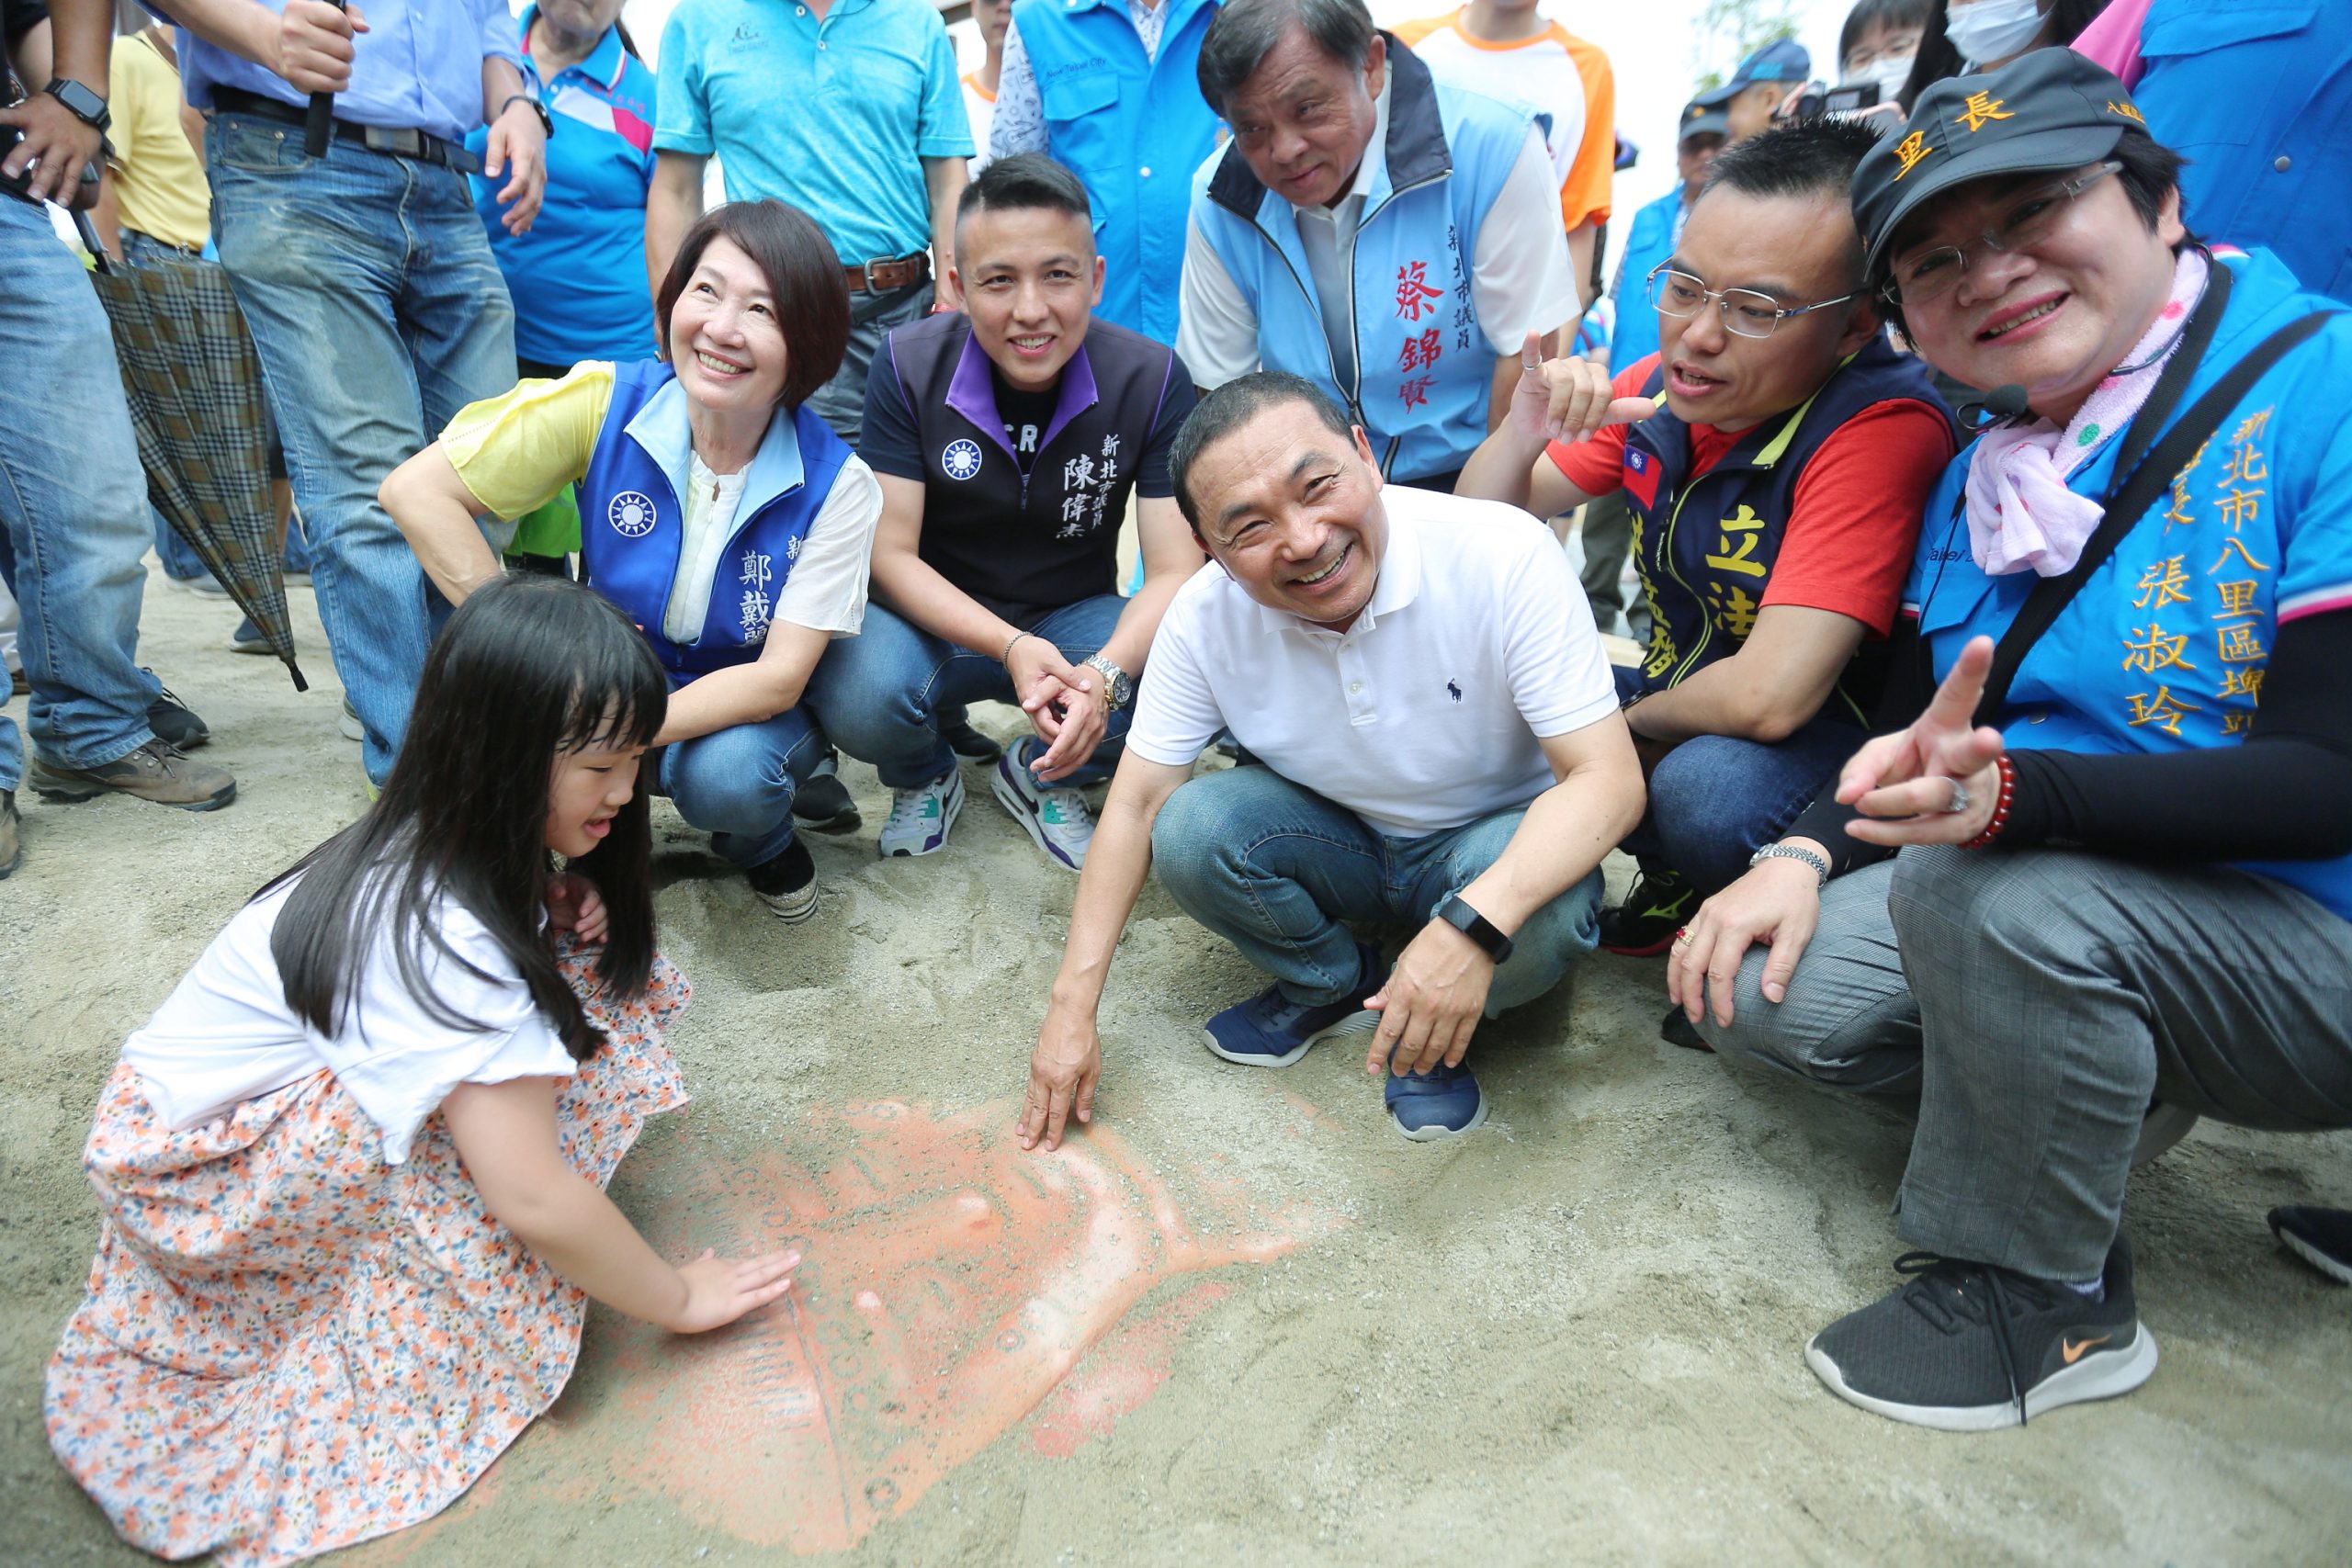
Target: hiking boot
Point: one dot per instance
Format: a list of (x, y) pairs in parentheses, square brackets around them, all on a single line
[(2320, 1237), (12, 850), (158, 772), (1658, 904), (921, 817), (1444, 1103), (1970, 1348), (1271, 1031), (786, 884), (822, 805), (1056, 821), (175, 722), (967, 741)]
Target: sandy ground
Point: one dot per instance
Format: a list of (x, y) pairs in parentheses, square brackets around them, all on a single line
[(1246, 1324)]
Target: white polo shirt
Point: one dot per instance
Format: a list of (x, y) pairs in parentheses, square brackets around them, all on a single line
[(1424, 715)]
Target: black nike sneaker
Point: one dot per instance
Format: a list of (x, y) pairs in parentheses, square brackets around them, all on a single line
[(1660, 903), (1969, 1347)]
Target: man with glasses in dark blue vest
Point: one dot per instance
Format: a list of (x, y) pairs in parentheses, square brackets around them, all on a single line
[(1776, 492)]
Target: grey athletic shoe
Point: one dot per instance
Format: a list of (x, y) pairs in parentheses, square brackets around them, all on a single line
[(158, 772)]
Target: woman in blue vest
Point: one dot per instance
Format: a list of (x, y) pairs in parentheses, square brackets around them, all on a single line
[(729, 522), (2116, 756)]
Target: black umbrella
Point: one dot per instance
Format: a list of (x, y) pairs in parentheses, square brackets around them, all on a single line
[(194, 385)]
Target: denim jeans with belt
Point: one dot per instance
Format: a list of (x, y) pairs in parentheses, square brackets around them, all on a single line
[(880, 694), (841, 402), (737, 784), (73, 519), (378, 313), (1275, 869)]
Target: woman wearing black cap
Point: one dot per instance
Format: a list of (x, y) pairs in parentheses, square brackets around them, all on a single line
[(2120, 772)]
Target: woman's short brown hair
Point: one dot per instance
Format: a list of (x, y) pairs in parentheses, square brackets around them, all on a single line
[(804, 276)]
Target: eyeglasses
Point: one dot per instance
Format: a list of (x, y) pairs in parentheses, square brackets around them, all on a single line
[(2031, 218), (1745, 311)]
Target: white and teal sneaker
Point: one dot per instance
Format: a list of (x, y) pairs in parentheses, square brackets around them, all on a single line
[(921, 817), (1056, 821)]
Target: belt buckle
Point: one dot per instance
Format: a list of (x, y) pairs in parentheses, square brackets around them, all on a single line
[(867, 266), (399, 143)]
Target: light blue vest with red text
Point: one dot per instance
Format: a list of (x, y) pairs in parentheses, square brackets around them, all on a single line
[(1424, 367), (632, 517)]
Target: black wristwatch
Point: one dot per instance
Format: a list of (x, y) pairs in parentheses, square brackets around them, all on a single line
[(81, 103), (538, 107), (1457, 913)]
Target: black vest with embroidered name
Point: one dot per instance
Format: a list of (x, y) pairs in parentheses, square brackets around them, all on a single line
[(1704, 548), (1028, 543)]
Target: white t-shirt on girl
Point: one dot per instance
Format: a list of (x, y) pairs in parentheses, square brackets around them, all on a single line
[(225, 1034)]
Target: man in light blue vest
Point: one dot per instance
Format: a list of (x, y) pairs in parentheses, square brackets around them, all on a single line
[(1105, 87), (1391, 239)]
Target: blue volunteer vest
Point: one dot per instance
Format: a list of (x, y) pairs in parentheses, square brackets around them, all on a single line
[(1423, 366), (2166, 645), (1649, 241), (1134, 129), (1705, 548), (631, 517)]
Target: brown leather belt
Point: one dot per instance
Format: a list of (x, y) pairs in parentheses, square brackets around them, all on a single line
[(884, 273)]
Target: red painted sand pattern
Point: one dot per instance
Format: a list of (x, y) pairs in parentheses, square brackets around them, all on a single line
[(951, 1285)]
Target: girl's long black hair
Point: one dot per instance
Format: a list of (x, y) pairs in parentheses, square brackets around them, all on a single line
[(528, 668)]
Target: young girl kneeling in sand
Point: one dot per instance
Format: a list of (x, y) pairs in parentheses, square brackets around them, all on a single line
[(351, 1171)]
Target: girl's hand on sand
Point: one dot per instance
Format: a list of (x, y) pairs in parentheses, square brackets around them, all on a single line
[(575, 905), (720, 1290)]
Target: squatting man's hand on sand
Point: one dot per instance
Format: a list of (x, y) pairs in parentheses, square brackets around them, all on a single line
[(1431, 1002)]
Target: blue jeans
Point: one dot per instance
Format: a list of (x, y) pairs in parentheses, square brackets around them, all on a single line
[(378, 313), (879, 695), (1274, 868), (841, 402), (74, 521), (1717, 799), (737, 784)]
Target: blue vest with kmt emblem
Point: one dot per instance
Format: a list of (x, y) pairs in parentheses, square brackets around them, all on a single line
[(1705, 547), (1424, 369), (632, 517)]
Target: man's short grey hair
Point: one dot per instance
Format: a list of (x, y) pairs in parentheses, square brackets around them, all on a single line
[(1245, 31), (1230, 407)]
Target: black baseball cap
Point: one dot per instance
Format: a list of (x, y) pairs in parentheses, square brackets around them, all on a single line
[(1783, 60), (1702, 119), (2050, 109)]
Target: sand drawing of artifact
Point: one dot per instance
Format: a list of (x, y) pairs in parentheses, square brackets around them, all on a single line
[(951, 1284)]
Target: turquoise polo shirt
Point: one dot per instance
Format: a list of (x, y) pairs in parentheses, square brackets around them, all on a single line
[(2166, 646), (833, 117), (578, 276)]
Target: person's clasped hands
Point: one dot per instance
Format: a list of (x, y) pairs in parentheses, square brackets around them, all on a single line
[(1064, 703), (1568, 400)]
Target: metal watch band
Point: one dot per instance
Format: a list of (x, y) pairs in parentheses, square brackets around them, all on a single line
[(1118, 686), (1456, 912), (1792, 851)]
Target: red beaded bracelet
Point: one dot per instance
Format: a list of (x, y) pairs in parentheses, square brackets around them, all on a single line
[(2001, 803)]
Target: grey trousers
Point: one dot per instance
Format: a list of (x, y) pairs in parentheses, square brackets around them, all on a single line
[(841, 402), (2036, 1002)]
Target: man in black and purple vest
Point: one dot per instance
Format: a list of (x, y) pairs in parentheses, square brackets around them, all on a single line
[(1008, 440)]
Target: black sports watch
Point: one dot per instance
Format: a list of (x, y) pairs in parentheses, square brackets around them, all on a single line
[(81, 103), (538, 107), (1456, 912)]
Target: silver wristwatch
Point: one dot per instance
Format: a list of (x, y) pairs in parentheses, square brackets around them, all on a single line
[(1791, 851), (1118, 691)]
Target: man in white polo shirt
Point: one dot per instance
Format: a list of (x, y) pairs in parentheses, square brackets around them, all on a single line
[(1441, 750)]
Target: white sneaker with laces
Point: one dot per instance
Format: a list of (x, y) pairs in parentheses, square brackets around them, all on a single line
[(1056, 821), (921, 817)]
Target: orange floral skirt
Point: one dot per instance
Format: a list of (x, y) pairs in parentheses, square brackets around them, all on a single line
[(289, 1346)]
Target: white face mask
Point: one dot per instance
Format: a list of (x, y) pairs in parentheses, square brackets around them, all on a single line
[(1993, 30), (1889, 71)]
